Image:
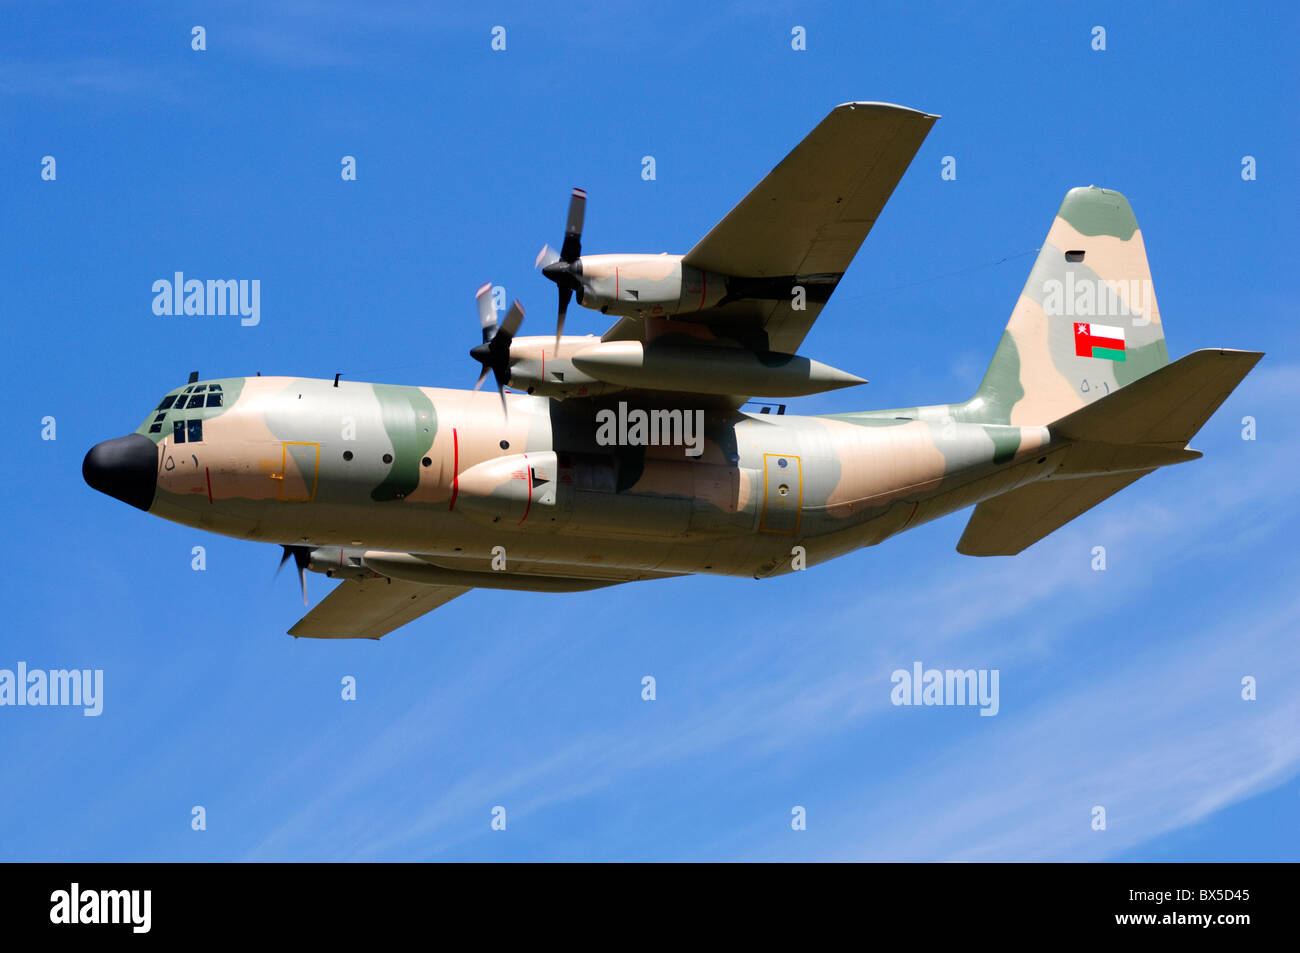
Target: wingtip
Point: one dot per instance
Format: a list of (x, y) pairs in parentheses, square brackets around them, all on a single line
[(885, 107)]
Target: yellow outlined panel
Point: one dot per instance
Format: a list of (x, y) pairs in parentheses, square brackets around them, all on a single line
[(781, 510), (297, 484)]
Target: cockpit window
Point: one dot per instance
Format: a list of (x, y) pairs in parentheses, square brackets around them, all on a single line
[(178, 431), (200, 387), (196, 400), (167, 402), (214, 387), (195, 431), (159, 418), (214, 400)]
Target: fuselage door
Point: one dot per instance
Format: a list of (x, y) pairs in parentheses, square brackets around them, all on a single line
[(782, 493), (298, 472)]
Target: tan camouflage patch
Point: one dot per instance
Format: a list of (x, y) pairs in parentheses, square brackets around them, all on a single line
[(903, 459), (1048, 395), (1116, 261)]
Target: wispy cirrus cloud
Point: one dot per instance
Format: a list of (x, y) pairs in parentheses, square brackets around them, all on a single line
[(1161, 744), (89, 77)]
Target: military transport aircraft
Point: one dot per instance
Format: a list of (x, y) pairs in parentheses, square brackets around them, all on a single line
[(629, 456)]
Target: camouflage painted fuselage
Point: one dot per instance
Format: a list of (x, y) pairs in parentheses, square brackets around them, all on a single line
[(448, 476), (445, 473)]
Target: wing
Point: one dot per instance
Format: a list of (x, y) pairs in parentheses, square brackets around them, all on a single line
[(371, 607), (802, 225)]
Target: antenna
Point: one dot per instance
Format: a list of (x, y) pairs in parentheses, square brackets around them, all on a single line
[(194, 376)]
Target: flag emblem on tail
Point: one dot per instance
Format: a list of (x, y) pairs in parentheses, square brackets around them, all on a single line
[(1099, 340)]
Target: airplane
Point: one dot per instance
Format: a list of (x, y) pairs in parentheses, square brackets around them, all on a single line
[(630, 456)]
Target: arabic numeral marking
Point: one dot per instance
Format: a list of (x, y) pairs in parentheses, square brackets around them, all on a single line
[(1083, 386)]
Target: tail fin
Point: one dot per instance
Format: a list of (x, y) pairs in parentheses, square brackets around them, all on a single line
[(1086, 323)]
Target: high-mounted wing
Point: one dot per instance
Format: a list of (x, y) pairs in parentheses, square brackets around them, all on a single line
[(803, 223), (372, 607)]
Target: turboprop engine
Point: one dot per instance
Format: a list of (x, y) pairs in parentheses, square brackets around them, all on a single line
[(645, 284), (630, 285)]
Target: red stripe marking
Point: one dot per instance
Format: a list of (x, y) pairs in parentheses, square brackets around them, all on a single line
[(209, 476), (455, 468), (1084, 343), (527, 509)]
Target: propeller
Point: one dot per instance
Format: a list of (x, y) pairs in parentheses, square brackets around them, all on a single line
[(563, 267), (494, 352), (301, 557)]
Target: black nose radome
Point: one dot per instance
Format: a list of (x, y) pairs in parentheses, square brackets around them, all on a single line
[(126, 468)]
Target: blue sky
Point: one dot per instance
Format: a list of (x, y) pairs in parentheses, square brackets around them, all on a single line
[(1119, 688)]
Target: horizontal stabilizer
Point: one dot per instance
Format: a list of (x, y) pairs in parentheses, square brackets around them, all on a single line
[(371, 608), (1166, 407), (1006, 524)]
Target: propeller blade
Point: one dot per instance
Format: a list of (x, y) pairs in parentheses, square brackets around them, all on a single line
[(565, 294), (302, 558), (501, 371), (572, 247), (494, 353), (547, 256), (514, 318), (487, 312), (565, 269)]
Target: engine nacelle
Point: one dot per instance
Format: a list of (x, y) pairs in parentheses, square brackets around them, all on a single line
[(338, 562), (647, 285), (539, 367), (508, 489)]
